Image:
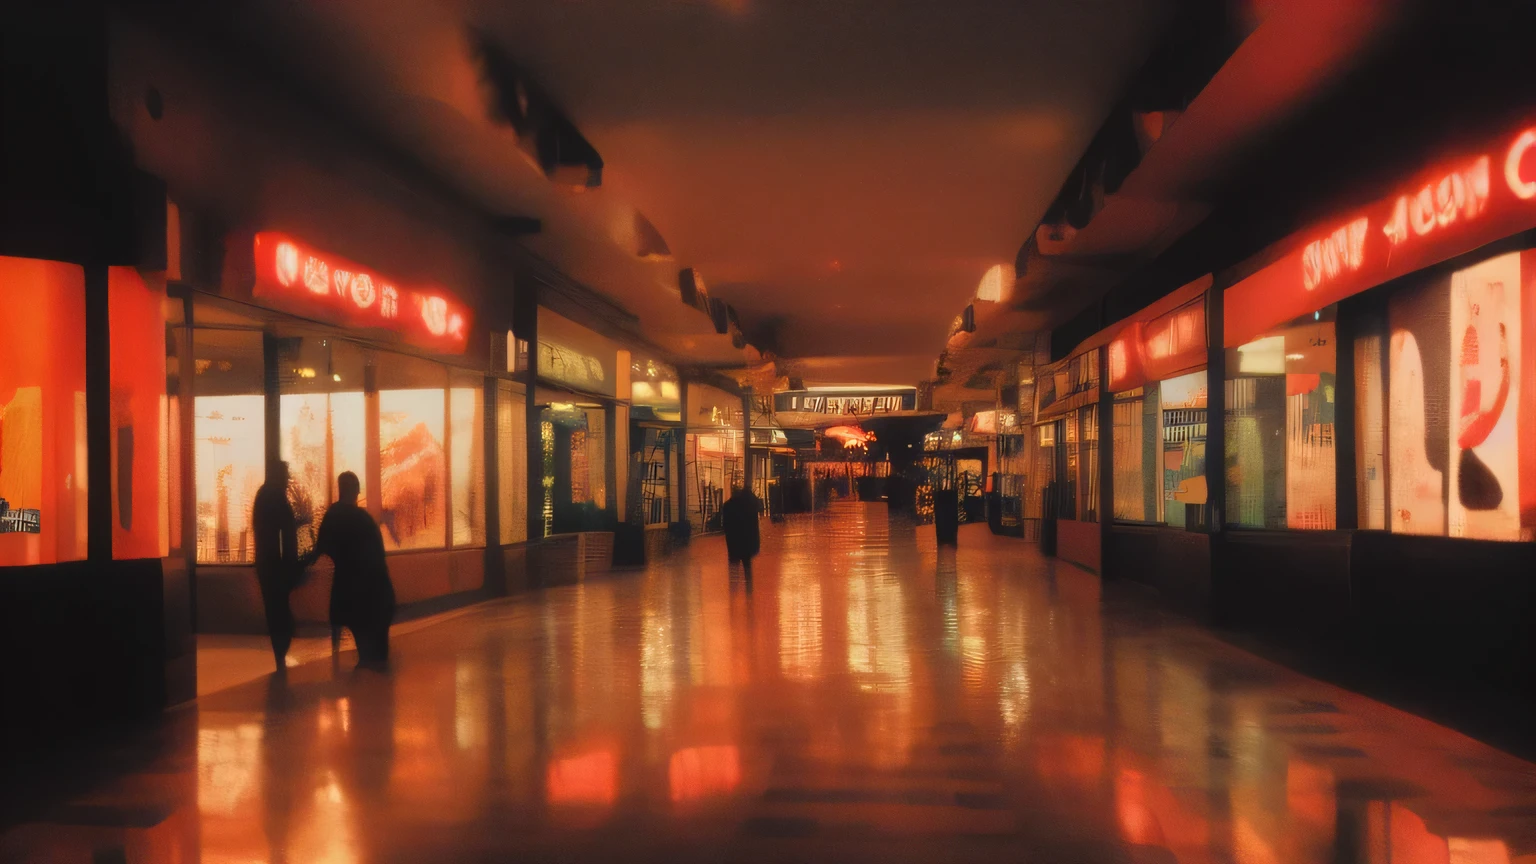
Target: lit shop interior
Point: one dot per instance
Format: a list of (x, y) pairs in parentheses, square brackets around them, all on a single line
[(582, 425)]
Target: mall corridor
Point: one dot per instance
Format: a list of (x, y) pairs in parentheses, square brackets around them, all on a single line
[(865, 698)]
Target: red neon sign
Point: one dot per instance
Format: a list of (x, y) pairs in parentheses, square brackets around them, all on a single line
[(1480, 198), (318, 283)]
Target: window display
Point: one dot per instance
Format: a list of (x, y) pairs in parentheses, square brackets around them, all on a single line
[(1183, 419), (466, 403), (42, 414), (229, 441), (1280, 397), (1138, 488), (511, 464), (322, 419), (1455, 461), (412, 472), (575, 468), (1160, 452)]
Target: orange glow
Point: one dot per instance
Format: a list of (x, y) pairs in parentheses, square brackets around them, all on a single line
[(1138, 823), (584, 780), (850, 436), (1524, 189), (139, 511), (699, 772), (42, 410), (298, 276), (1396, 834), (1327, 258)]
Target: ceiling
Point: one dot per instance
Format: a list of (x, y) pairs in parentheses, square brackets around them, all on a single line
[(842, 173)]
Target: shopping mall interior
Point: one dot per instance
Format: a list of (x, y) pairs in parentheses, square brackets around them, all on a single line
[(681, 430)]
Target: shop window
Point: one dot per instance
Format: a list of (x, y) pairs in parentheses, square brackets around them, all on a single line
[(229, 446), (1280, 427), (466, 452), (413, 494), (1159, 454), (657, 450), (140, 500), (1370, 430), (1088, 463), (1183, 418), (42, 413), (1456, 405), (1138, 488), (714, 465), (511, 464), (575, 468), (322, 421)]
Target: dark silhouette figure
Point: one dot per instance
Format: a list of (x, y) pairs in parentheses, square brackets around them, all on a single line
[(738, 518), (277, 557), (362, 597), (946, 516)]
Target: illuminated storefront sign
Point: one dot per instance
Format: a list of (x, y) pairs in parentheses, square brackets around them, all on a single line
[(1449, 210), (321, 284), (847, 402)]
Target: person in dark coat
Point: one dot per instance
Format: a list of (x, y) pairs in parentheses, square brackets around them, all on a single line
[(362, 597), (946, 516), (277, 557), (738, 517)]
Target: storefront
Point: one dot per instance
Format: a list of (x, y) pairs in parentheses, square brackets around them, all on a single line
[(583, 425), (1370, 484), (715, 447), (654, 428), (1066, 474), (1381, 377), (331, 366)]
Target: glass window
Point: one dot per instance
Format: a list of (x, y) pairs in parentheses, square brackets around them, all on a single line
[(1183, 401), (512, 464), (322, 419), (1370, 430), (1137, 488), (1088, 463), (412, 469), (140, 514), (1456, 464), (42, 413), (1280, 427), (575, 467), (466, 451), (229, 441)]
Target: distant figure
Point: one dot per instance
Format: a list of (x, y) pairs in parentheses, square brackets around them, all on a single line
[(277, 557), (946, 516), (362, 597), (738, 517)]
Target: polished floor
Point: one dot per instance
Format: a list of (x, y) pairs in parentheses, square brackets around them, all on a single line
[(865, 698)]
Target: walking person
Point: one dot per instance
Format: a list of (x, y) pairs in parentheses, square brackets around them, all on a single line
[(277, 557), (738, 518), (362, 597)]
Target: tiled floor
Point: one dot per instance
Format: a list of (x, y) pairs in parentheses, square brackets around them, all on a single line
[(865, 699)]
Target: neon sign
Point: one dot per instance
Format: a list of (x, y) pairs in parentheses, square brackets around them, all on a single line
[(1482, 197), (318, 283)]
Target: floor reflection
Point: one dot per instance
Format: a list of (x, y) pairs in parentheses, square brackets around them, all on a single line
[(863, 697)]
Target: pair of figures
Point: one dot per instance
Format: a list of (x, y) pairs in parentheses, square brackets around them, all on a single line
[(362, 597)]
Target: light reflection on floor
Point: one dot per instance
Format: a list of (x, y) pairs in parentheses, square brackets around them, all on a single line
[(865, 698)]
